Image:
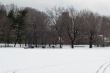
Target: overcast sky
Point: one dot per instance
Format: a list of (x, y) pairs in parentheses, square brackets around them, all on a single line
[(100, 6)]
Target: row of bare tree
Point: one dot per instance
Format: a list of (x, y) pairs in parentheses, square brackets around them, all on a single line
[(51, 27)]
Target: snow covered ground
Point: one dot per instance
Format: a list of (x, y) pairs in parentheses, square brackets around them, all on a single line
[(2, 45), (19, 60)]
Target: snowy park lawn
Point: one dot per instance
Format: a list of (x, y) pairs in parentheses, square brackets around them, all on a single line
[(78, 60), (45, 46)]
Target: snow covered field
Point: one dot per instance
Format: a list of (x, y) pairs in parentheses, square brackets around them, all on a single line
[(47, 46), (19, 60)]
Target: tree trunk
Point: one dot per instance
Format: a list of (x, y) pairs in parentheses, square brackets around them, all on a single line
[(16, 42), (25, 43), (91, 42), (90, 45), (20, 45), (36, 43), (72, 44), (60, 43)]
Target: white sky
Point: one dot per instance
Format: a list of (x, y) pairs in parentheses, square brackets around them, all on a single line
[(100, 6)]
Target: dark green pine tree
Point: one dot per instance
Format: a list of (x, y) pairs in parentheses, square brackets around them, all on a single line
[(11, 18), (19, 27)]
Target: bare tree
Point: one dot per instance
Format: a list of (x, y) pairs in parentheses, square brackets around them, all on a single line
[(91, 23), (4, 25), (35, 26), (54, 14), (73, 30)]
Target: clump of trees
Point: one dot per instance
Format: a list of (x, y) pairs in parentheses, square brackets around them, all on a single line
[(56, 26)]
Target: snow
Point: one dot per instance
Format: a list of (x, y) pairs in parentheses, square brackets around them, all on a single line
[(78, 60), (2, 45)]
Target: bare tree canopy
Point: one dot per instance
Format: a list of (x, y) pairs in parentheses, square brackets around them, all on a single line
[(56, 26)]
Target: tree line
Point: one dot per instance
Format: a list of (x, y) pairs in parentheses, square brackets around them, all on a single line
[(55, 26)]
